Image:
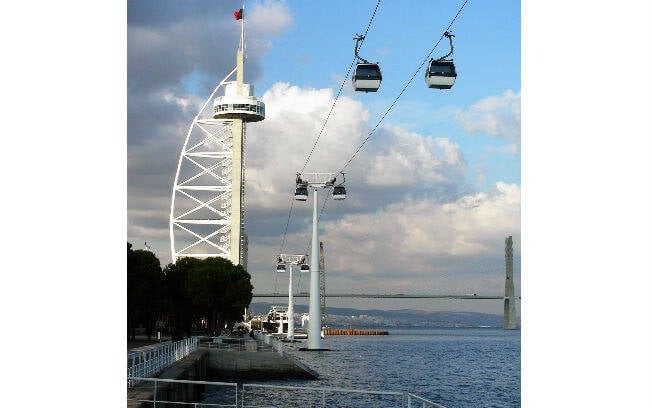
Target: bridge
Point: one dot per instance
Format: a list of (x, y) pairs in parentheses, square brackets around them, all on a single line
[(385, 296), (509, 299)]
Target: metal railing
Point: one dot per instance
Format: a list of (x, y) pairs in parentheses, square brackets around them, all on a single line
[(346, 393), (145, 394), (302, 396), (312, 396), (238, 346), (425, 403), (149, 361)]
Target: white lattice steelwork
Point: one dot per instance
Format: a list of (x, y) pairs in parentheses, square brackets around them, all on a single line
[(207, 209)]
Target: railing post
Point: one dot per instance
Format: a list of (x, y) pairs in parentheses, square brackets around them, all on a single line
[(155, 393)]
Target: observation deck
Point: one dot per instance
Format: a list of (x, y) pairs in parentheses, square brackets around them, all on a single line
[(233, 106)]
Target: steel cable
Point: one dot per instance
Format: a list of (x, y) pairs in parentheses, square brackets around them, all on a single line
[(404, 88), (346, 77), (373, 15)]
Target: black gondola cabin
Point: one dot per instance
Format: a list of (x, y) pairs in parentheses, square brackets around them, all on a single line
[(441, 74), (367, 77)]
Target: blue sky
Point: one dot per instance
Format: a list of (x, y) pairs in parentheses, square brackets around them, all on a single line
[(487, 44), (317, 48)]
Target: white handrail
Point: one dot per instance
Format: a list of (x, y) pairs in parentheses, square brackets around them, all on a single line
[(156, 381), (152, 360), (240, 402)]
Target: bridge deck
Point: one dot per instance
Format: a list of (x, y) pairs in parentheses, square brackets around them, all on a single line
[(383, 296)]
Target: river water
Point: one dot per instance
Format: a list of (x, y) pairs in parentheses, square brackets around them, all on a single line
[(455, 367)]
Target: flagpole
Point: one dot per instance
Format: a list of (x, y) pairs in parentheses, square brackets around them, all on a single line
[(242, 39)]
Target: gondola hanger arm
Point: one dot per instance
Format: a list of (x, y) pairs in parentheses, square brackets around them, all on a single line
[(450, 39), (357, 39)]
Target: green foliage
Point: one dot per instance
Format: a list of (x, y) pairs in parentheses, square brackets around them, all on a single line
[(145, 289), (219, 290), (185, 292)]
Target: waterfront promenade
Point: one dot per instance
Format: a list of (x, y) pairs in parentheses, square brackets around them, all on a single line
[(239, 359)]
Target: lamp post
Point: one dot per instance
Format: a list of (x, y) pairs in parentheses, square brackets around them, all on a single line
[(316, 181)]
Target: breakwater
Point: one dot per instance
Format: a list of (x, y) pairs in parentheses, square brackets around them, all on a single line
[(354, 332)]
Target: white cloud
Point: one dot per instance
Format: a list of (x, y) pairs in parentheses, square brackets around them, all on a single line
[(277, 147), (269, 18), (393, 160), (408, 159), (424, 239), (264, 21), (498, 116)]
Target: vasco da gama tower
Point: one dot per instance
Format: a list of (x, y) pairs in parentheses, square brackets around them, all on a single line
[(208, 202)]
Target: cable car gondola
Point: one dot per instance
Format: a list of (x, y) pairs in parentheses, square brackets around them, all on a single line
[(441, 72), (280, 267), (305, 268), (367, 75), (339, 193), (301, 193)]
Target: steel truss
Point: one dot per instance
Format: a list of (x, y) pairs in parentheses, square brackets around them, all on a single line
[(200, 211)]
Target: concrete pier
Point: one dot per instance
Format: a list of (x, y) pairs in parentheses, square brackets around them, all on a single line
[(228, 365)]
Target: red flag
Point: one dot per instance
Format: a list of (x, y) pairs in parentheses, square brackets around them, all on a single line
[(238, 14)]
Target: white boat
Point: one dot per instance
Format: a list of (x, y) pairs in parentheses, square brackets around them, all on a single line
[(276, 321)]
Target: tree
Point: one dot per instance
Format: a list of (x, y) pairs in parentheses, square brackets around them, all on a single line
[(145, 290), (219, 291), (189, 290), (178, 303)]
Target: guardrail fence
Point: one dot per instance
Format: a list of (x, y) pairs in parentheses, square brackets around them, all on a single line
[(146, 362), (155, 392)]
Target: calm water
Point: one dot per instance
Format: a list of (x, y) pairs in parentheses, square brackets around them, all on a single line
[(454, 367)]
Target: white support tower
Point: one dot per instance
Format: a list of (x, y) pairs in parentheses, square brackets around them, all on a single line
[(208, 206), (316, 181), (322, 284), (290, 260)]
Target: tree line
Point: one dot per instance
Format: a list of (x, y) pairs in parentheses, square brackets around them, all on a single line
[(189, 295)]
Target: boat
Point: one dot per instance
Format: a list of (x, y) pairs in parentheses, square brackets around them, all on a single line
[(276, 321)]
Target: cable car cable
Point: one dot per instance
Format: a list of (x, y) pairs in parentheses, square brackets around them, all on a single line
[(404, 88), (286, 226), (339, 92), (373, 15)]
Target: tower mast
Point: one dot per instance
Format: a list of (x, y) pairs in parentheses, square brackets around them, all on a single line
[(238, 251)]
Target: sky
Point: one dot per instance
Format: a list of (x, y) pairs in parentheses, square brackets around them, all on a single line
[(434, 191)]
